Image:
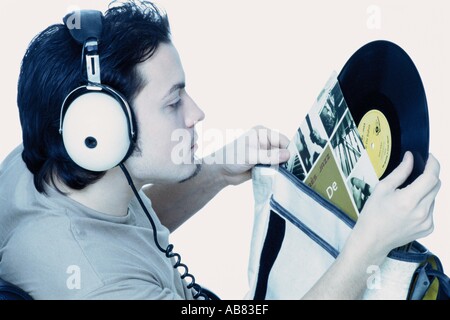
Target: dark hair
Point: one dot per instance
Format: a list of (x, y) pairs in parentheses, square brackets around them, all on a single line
[(51, 70)]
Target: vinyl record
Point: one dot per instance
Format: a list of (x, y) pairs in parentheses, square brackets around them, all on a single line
[(387, 100)]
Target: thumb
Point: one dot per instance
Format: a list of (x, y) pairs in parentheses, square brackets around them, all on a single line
[(397, 177)]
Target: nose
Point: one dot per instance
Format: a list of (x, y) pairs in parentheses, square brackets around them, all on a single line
[(193, 113)]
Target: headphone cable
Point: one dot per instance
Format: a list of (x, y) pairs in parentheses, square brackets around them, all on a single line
[(199, 291)]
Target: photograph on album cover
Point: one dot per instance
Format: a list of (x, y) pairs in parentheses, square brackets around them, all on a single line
[(347, 144), (314, 138), (294, 165), (303, 150), (333, 109), (361, 182)]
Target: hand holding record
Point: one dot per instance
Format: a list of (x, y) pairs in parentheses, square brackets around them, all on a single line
[(392, 216), (387, 100)]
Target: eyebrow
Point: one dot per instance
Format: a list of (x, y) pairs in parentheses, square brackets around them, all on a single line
[(178, 86)]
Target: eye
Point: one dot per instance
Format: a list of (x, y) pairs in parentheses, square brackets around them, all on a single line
[(175, 105)]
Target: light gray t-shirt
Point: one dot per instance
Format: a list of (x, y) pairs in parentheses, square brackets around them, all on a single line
[(54, 248)]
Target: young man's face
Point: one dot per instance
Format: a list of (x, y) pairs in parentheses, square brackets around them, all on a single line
[(162, 108)]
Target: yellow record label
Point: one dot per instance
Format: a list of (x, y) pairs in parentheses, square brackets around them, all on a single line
[(376, 136)]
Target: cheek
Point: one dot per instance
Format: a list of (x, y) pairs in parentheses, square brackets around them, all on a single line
[(155, 137)]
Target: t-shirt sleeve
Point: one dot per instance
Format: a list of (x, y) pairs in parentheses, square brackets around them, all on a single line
[(132, 290)]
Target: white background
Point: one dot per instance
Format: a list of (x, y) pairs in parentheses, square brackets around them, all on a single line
[(259, 62)]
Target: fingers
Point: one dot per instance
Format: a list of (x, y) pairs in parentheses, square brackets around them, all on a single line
[(271, 146), (273, 156), (426, 182), (283, 141), (427, 201), (432, 167), (427, 208), (397, 177), (270, 138)]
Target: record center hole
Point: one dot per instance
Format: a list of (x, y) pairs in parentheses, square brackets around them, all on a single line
[(372, 145)]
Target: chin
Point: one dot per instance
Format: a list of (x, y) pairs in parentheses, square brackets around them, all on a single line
[(194, 171)]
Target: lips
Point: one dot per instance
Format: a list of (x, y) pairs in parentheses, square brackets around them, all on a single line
[(194, 145)]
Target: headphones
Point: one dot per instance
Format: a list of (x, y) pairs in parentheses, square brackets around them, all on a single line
[(96, 124), (96, 121)]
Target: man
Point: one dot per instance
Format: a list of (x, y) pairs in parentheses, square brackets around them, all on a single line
[(69, 233)]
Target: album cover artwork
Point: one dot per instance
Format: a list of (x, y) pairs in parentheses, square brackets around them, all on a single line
[(328, 155)]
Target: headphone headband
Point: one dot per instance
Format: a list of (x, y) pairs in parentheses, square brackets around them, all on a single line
[(84, 25), (86, 28)]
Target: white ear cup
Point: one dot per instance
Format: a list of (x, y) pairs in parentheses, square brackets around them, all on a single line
[(95, 132)]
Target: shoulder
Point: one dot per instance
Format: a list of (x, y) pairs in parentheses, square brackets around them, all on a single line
[(12, 157), (12, 168), (43, 258)]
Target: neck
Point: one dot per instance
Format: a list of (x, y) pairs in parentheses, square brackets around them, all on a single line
[(110, 195)]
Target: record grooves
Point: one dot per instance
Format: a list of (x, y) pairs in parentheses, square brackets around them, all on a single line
[(381, 76)]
